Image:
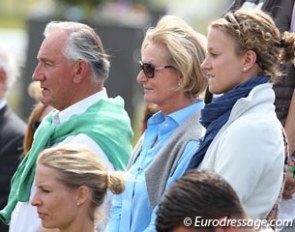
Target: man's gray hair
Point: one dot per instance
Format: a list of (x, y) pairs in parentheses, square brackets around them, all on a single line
[(83, 44)]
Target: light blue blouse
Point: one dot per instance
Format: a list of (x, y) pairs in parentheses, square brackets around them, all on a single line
[(131, 211)]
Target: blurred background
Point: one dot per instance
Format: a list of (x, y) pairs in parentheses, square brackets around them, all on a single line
[(121, 24)]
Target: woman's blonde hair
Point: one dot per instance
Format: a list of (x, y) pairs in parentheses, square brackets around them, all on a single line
[(187, 50), (78, 166), (255, 30)]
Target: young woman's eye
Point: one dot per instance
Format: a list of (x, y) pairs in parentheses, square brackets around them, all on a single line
[(213, 54), (45, 190)]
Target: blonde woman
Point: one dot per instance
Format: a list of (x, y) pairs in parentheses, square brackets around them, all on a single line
[(71, 184), (171, 78)]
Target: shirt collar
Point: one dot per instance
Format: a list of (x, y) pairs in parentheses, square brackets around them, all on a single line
[(3, 103), (250, 4), (80, 107), (178, 116)]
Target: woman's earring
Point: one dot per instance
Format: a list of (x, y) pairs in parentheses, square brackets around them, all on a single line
[(78, 203), (179, 83)]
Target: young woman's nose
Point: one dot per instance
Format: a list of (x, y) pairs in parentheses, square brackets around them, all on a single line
[(205, 64), (35, 201)]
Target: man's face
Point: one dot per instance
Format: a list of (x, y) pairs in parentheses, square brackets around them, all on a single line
[(2, 83), (54, 71)]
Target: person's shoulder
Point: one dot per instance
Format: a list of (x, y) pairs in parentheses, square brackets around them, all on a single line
[(13, 122), (114, 108), (251, 129)]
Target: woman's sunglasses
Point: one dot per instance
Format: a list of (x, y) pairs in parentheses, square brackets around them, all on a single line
[(149, 69)]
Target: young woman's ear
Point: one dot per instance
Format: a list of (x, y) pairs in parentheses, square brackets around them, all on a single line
[(83, 193), (250, 59)]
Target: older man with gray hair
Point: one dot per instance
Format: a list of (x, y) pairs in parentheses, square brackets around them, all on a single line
[(12, 128), (72, 68)]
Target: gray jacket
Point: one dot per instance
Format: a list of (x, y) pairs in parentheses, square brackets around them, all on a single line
[(163, 166)]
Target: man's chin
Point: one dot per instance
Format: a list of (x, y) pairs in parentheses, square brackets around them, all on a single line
[(45, 101)]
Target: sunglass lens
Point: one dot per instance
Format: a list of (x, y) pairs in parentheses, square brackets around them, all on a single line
[(148, 70)]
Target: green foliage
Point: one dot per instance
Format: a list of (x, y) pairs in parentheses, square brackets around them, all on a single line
[(12, 22), (81, 2)]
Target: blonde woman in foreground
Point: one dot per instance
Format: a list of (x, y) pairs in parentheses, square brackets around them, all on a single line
[(71, 185)]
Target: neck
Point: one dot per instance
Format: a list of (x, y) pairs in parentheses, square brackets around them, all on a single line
[(2, 92), (81, 229), (81, 223), (83, 93), (82, 226), (175, 105)]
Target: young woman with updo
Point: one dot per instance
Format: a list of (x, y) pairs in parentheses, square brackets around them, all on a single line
[(71, 185)]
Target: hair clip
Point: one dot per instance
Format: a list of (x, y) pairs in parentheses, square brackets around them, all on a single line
[(282, 43)]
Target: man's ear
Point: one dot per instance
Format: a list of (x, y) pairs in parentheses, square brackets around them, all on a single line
[(3, 83), (3, 76), (250, 59), (83, 193), (81, 70)]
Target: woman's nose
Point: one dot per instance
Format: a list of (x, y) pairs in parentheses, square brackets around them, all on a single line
[(203, 65), (35, 201), (141, 77)]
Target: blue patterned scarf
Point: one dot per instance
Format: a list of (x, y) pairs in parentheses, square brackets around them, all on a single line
[(216, 114)]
